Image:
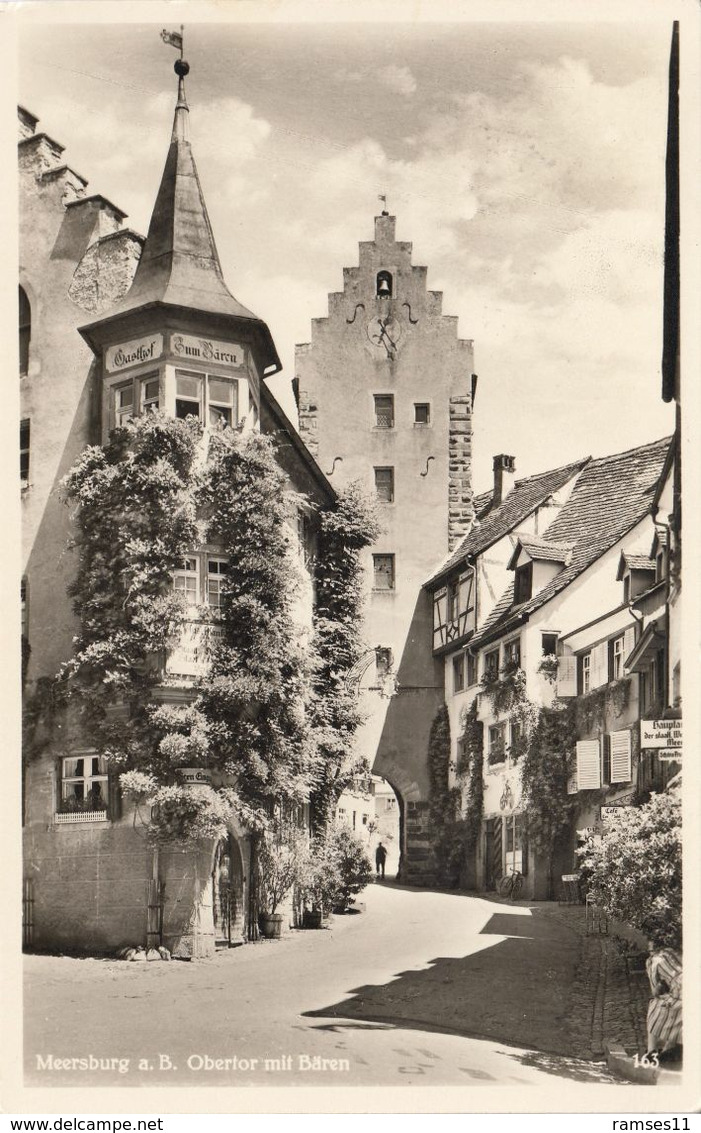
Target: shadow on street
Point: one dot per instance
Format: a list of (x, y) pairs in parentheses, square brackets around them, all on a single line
[(516, 991)]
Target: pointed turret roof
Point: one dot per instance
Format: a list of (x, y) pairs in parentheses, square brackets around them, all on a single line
[(179, 264)]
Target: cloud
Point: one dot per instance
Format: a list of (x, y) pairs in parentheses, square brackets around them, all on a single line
[(343, 75), (399, 79)]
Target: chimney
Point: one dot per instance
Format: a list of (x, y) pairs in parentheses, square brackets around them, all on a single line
[(504, 472)]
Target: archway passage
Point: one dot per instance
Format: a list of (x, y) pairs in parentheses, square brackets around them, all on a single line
[(388, 826), (228, 903)]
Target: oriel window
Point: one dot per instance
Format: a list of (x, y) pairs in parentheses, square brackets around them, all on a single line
[(222, 402), (150, 394), (123, 404), (188, 395)]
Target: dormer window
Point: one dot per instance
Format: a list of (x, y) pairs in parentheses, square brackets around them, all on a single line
[(523, 583), (384, 287)]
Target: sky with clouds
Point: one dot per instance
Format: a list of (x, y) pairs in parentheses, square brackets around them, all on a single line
[(525, 162)]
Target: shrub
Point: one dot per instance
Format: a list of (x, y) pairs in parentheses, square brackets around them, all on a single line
[(336, 868), (635, 871), (279, 866)]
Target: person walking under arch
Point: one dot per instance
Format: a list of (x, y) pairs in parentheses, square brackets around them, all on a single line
[(380, 859)]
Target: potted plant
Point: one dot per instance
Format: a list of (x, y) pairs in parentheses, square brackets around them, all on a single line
[(319, 881), (278, 870)]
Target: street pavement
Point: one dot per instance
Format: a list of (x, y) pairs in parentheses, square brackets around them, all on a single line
[(419, 989)]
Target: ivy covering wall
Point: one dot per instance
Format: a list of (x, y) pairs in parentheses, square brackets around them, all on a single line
[(272, 721)]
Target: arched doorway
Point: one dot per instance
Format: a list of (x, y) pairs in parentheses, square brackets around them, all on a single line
[(388, 826), (228, 903)]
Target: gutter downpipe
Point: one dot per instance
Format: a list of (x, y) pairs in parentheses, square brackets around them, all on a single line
[(668, 587)]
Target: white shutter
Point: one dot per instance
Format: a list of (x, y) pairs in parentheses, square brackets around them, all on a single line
[(567, 675), (599, 673), (588, 765), (621, 771), (628, 642)]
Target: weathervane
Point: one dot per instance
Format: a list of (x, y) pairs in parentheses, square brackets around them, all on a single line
[(174, 38), (383, 197)]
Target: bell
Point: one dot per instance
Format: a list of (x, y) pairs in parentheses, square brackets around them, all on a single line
[(384, 291)]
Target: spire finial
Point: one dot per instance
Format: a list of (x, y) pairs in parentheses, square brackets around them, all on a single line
[(181, 68)]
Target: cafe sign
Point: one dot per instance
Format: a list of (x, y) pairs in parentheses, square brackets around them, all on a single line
[(662, 736), (192, 349), (611, 814), (134, 353)]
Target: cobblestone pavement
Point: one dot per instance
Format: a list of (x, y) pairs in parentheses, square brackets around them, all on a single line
[(610, 995)]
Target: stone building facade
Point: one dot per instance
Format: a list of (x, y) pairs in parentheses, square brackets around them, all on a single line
[(385, 392), (110, 325)]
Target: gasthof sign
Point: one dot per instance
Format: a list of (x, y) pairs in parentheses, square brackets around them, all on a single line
[(134, 353), (666, 734)]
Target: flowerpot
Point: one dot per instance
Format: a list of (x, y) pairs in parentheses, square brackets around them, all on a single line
[(313, 918), (271, 925)]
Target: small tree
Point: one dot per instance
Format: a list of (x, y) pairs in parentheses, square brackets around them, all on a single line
[(279, 866), (635, 871), (336, 868)]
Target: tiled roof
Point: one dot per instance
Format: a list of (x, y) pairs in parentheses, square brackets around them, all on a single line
[(635, 562), (611, 495), (525, 496), (482, 503), (542, 550)]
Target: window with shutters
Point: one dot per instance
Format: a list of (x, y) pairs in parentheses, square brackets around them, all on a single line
[(549, 644), (616, 655), (585, 674), (621, 762), (383, 572), (605, 759), (588, 765)]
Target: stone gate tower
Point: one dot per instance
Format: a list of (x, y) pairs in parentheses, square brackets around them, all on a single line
[(385, 390)]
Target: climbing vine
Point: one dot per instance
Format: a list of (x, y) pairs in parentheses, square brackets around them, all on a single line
[(444, 804), (546, 767), (142, 503), (346, 530), (504, 688), (470, 768)]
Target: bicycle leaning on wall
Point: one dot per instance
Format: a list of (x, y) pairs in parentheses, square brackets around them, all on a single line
[(511, 884)]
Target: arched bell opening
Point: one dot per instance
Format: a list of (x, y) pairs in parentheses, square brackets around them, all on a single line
[(384, 287)]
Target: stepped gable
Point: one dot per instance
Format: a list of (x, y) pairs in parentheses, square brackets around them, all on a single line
[(611, 495), (525, 496)]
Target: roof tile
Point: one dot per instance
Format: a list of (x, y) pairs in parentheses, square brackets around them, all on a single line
[(611, 495)]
